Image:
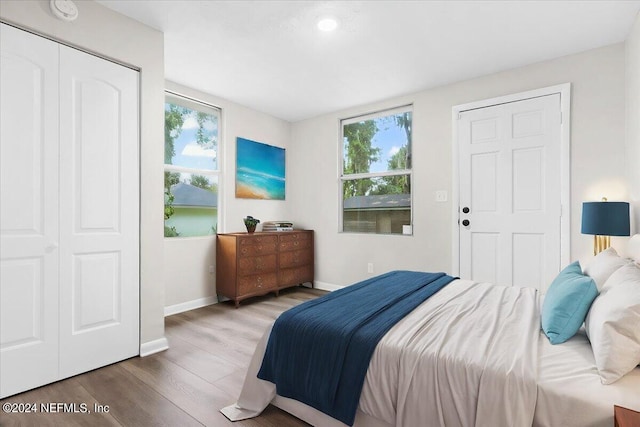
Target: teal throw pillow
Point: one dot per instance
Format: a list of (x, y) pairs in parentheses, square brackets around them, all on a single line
[(566, 303)]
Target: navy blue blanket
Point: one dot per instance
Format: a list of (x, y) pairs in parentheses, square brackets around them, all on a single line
[(319, 351)]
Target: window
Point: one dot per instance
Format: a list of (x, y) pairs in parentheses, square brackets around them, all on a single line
[(191, 168), (375, 181)]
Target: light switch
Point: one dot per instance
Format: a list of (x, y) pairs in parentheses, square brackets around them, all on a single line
[(441, 196)]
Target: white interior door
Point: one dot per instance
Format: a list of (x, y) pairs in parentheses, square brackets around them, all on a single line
[(69, 212), (509, 167), (99, 289), (28, 211)]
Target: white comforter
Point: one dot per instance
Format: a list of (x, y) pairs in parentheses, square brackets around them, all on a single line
[(465, 357)]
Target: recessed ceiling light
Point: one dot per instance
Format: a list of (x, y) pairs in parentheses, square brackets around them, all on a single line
[(327, 24)]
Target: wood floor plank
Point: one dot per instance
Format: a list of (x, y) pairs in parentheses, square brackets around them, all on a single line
[(206, 365), (187, 385), (188, 391), (213, 312), (49, 413), (237, 352), (232, 383), (131, 401)]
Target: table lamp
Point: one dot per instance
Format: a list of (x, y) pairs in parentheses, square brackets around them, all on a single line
[(604, 219)]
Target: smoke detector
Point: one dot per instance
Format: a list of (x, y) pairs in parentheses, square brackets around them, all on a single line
[(64, 9)]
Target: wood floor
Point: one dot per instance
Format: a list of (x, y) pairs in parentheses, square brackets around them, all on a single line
[(202, 371)]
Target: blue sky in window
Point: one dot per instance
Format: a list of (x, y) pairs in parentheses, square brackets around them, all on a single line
[(189, 153), (389, 138)]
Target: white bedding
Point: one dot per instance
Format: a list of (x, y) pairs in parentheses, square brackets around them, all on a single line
[(467, 356), (471, 355), (569, 389)]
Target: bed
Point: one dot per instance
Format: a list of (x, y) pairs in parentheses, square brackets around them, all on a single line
[(471, 354)]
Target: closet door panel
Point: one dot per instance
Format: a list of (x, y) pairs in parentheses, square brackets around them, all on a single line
[(28, 211), (99, 227), (96, 156)]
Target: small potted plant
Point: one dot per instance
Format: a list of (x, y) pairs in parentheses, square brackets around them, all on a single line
[(251, 222)]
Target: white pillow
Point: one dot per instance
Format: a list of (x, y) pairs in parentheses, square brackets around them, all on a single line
[(603, 265), (613, 324)]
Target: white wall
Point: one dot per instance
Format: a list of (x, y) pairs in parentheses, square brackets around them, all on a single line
[(597, 162), (633, 120), (598, 152), (109, 34), (186, 277)]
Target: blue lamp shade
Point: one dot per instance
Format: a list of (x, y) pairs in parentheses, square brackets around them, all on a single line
[(605, 218)]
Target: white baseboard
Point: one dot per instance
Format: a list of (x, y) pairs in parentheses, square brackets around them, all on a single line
[(152, 347), (189, 305), (324, 286)]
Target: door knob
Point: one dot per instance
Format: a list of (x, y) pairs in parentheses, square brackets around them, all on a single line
[(50, 248), (465, 210), (465, 222)]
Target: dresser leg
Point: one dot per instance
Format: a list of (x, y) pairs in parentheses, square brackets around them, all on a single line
[(237, 303)]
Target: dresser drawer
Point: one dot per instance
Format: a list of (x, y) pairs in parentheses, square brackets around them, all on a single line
[(257, 264), (295, 276), (260, 239), (292, 236), (255, 250), (295, 258), (295, 244), (257, 283)]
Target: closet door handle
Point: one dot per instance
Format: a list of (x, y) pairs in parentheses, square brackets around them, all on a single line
[(465, 222), (51, 247)]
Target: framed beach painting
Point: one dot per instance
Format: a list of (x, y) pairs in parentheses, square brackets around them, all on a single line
[(260, 170)]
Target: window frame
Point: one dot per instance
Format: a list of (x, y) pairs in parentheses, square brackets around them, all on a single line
[(342, 177), (193, 104)]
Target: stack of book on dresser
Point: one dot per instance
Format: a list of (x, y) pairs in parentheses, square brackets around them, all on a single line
[(277, 226)]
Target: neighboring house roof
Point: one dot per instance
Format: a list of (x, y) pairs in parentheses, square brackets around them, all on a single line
[(382, 202), (189, 195)]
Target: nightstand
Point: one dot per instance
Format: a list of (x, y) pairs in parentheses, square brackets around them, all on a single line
[(625, 417)]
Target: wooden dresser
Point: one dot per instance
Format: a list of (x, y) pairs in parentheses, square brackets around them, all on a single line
[(255, 264)]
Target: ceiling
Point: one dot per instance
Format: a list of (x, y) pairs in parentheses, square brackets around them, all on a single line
[(270, 55)]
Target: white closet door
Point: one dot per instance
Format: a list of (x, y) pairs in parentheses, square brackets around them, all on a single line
[(28, 211), (99, 280)]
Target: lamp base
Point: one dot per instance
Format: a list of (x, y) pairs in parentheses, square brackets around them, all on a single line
[(600, 243)]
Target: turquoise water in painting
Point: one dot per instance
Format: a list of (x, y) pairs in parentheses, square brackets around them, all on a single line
[(260, 170)]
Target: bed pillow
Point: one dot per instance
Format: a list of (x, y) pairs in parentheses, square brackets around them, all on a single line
[(613, 324), (566, 303), (603, 265)]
